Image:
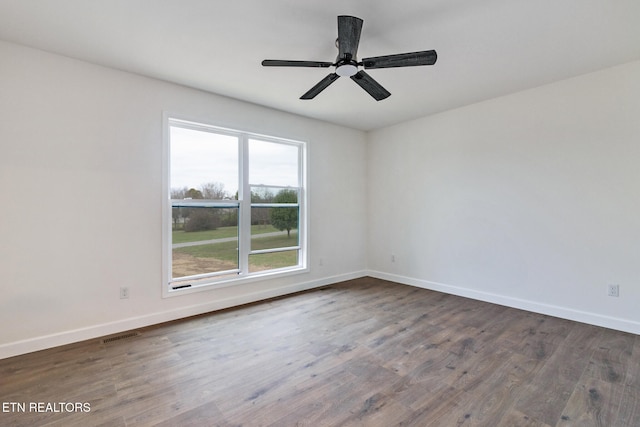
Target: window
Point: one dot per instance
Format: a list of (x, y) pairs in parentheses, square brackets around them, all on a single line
[(235, 206)]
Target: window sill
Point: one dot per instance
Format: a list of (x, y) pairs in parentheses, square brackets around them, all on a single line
[(236, 281)]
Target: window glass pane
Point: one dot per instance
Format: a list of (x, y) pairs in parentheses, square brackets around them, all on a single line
[(273, 194), (203, 165), (204, 240), (273, 163), (268, 261), (273, 227)]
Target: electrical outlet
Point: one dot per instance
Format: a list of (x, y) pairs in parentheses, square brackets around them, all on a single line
[(124, 292), (393, 258), (321, 262), (613, 290)]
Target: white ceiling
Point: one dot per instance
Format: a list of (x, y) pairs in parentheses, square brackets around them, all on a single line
[(485, 48)]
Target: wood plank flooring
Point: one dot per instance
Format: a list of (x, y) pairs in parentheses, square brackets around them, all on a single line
[(361, 353)]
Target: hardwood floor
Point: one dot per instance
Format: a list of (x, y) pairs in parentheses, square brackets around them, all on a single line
[(360, 353)]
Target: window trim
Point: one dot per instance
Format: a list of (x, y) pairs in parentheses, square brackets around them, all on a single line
[(243, 204)]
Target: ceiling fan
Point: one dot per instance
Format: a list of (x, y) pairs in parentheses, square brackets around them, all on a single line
[(349, 29)]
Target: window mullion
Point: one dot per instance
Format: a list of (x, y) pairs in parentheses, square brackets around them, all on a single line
[(244, 224), (302, 206)]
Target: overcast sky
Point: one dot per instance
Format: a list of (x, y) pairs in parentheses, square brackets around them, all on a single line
[(199, 157)]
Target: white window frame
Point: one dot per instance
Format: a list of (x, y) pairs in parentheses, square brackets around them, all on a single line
[(201, 282)]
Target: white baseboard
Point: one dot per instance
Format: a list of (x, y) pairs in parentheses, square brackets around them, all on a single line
[(96, 331), (596, 319), (101, 330)]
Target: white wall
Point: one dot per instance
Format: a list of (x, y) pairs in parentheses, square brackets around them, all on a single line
[(530, 200), (80, 185)]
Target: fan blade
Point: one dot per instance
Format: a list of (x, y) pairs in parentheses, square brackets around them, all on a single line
[(427, 57), (322, 85), (349, 28), (367, 83), (285, 63)]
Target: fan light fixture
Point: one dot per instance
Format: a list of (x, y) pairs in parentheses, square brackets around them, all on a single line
[(346, 70)]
